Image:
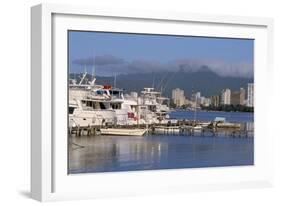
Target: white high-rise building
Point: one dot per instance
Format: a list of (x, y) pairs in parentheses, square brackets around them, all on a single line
[(250, 95), (178, 97), (196, 98), (226, 97), (207, 102)]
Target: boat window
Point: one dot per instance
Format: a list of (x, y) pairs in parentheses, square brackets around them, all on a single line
[(116, 106), (83, 103), (89, 104), (71, 110), (96, 105), (115, 92), (102, 106), (152, 108), (100, 92)]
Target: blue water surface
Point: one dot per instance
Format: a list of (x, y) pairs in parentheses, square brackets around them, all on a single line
[(122, 153), (209, 116)]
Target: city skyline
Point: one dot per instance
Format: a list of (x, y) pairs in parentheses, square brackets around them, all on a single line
[(226, 97)]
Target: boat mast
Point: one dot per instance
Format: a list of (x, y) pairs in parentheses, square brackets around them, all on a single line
[(114, 84), (153, 81), (93, 72), (93, 69), (84, 75), (195, 108)]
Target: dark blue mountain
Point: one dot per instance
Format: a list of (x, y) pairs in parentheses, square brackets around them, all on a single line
[(204, 80)]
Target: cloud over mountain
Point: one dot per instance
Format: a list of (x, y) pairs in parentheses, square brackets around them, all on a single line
[(108, 65), (99, 60)]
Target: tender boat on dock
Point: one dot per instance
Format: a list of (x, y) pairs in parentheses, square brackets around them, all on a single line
[(197, 128), (123, 132), (220, 122), (167, 129)]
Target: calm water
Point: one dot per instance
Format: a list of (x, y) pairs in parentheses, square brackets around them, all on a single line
[(119, 153), (209, 116)]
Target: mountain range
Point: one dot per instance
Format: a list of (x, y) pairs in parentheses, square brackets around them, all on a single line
[(203, 80)]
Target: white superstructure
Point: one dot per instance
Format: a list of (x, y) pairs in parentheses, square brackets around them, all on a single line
[(92, 105)]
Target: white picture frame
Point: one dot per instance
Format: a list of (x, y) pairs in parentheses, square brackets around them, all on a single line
[(49, 179)]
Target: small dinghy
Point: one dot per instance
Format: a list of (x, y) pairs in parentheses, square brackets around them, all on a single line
[(123, 132)]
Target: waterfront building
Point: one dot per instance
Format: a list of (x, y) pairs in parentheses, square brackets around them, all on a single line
[(187, 102), (238, 97), (242, 96), (235, 98), (178, 97), (250, 95), (196, 98), (207, 102), (215, 101), (225, 97), (202, 100)]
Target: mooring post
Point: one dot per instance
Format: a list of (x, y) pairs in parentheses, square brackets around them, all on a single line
[(78, 131)]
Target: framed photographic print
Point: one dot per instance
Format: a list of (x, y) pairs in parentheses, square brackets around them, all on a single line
[(134, 102)]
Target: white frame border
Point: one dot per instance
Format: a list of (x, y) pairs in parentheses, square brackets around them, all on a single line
[(42, 83)]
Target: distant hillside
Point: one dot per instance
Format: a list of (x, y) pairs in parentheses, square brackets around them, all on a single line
[(204, 80)]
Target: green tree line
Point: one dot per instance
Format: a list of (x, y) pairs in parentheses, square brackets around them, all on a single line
[(229, 108)]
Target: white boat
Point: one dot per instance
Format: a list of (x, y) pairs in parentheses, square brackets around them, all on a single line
[(98, 105), (228, 125), (154, 106), (197, 128), (167, 130), (221, 123), (92, 105), (123, 132)]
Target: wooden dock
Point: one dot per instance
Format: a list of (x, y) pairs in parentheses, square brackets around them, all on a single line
[(186, 128)]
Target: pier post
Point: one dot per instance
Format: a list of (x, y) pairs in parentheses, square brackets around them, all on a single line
[(78, 131)]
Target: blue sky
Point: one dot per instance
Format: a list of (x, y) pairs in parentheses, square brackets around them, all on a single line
[(125, 53)]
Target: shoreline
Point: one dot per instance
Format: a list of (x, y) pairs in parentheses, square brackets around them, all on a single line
[(180, 110)]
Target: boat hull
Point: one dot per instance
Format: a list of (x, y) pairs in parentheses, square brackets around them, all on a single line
[(123, 132)]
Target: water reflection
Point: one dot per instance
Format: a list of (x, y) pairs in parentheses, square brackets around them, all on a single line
[(112, 153), (104, 153)]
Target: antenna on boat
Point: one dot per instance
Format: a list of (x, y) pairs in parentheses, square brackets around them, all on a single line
[(114, 80), (84, 75), (168, 80), (153, 81), (93, 71)]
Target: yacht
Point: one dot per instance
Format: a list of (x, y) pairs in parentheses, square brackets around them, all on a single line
[(154, 107), (101, 105)]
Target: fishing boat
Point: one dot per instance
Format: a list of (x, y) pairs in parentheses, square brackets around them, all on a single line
[(154, 106), (123, 132)]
